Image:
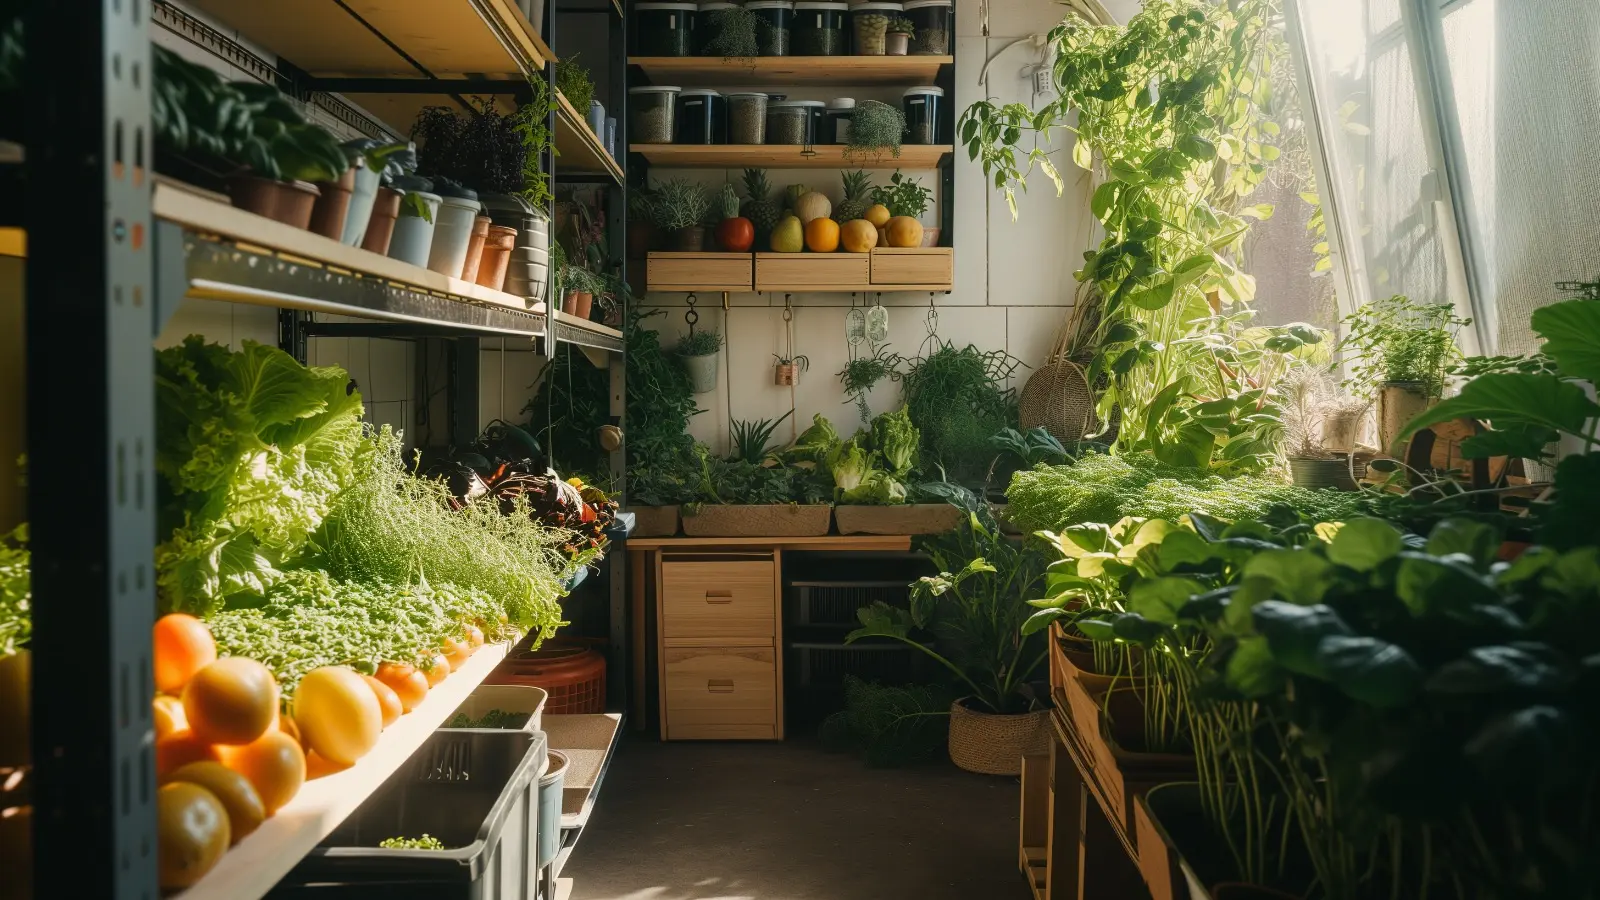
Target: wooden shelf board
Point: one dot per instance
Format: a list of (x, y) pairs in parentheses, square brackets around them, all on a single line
[(449, 38), (578, 148), (206, 215), (251, 868), (824, 542), (785, 156), (787, 71)]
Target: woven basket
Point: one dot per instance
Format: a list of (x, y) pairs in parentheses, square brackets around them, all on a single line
[(1057, 395), (993, 744), (775, 520)]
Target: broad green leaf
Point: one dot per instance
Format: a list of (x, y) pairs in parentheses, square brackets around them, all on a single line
[(1192, 447), (1296, 632), (1105, 196), (1487, 670), (1041, 620), (1526, 745), (1571, 332), (1431, 584), (1370, 670), (1159, 599), (1137, 629), (1512, 400), (1365, 544), (1299, 576), (1457, 535), (1183, 547), (1153, 298), (1238, 618), (1252, 671)]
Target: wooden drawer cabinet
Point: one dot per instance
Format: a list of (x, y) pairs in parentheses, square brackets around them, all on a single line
[(721, 693), (733, 600)]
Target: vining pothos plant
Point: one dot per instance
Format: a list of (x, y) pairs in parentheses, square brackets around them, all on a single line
[(1175, 121)]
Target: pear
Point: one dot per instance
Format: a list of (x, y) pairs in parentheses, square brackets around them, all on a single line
[(788, 236)]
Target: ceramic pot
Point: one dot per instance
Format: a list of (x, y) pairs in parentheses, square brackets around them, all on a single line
[(289, 202), (496, 255), (413, 234), (362, 199), (578, 303), (896, 43), (689, 240), (328, 214), (380, 224), (480, 231), (452, 232), (702, 372)]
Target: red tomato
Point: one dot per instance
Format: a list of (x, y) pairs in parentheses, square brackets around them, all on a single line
[(736, 234)]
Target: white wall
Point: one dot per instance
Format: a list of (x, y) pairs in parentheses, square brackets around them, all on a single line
[(1013, 280)]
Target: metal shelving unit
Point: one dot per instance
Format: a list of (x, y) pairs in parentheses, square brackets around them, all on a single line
[(104, 272)]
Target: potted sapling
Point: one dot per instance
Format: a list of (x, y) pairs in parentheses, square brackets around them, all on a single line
[(897, 42), (699, 350), (375, 162), (1312, 415), (681, 210), (579, 287), (1400, 353)]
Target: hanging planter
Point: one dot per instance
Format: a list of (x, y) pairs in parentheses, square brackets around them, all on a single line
[(786, 373)]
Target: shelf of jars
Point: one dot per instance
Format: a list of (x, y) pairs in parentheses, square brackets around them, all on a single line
[(770, 71), (789, 156)]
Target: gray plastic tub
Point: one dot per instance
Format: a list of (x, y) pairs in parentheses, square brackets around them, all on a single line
[(476, 791)]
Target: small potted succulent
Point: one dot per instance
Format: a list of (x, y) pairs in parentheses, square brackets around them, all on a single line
[(786, 373), (681, 210), (699, 349), (898, 40)]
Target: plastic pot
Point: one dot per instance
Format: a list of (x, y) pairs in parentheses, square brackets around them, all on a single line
[(702, 372), (289, 202), (689, 240), (413, 234), (480, 231), (452, 230), (332, 207), (380, 224), (362, 199), (578, 303), (1322, 473), (552, 784), (495, 257)]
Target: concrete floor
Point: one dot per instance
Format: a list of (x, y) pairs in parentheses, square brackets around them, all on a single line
[(788, 821)]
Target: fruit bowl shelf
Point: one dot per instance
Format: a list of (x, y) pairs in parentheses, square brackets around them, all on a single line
[(253, 866)]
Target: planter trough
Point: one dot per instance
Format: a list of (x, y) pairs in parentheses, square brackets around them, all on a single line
[(766, 520)]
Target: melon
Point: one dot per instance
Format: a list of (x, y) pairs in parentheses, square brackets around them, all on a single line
[(858, 236), (904, 231), (812, 205)]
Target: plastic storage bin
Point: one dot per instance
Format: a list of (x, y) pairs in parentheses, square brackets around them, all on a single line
[(817, 113), (774, 20), (413, 233), (518, 699), (789, 122), (664, 29), (747, 118), (841, 112), (819, 29), (869, 24), (452, 229), (476, 791), (708, 24), (934, 21), (653, 109), (702, 117), (923, 107)]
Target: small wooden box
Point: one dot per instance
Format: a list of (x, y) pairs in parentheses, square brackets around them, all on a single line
[(801, 272), (916, 267), (699, 272)]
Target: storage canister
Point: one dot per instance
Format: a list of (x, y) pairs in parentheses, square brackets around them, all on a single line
[(664, 29), (789, 122), (708, 24), (933, 20), (840, 112), (653, 116), (923, 107), (819, 28), (702, 117), (817, 113), (870, 24), (774, 19), (747, 118)]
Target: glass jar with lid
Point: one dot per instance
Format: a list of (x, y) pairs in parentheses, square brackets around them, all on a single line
[(664, 29), (774, 20), (923, 106), (708, 25), (819, 28), (747, 118), (702, 117), (869, 24), (653, 111), (933, 20), (789, 122)]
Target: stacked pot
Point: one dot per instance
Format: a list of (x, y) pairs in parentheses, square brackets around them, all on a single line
[(528, 266)]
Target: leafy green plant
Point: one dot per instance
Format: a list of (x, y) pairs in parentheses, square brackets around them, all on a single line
[(480, 147), (574, 83), (680, 203), (532, 125), (971, 610), (801, 361), (494, 718), (958, 400), (903, 196), (861, 374), (1401, 340), (901, 25), (875, 128), (891, 725), (16, 592), (426, 842), (700, 342), (752, 438), (1033, 447)]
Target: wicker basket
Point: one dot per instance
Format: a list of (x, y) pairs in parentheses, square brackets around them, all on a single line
[(916, 518), (765, 520), (992, 744), (1058, 394), (654, 521)]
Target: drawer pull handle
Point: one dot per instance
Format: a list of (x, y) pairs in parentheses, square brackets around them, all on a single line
[(720, 685), (719, 595)]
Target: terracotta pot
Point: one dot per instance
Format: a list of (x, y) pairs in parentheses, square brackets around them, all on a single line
[(380, 228), (480, 232), (642, 238), (497, 244), (930, 237), (578, 303), (689, 240), (333, 205), (289, 202)]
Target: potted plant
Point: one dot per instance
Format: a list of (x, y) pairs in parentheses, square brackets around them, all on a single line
[(786, 371), (457, 218), (968, 620), (658, 486), (379, 162), (752, 492), (906, 199), (875, 128), (1400, 351), (735, 233), (699, 352), (681, 210), (873, 479), (1314, 417), (579, 286), (413, 230), (898, 39)]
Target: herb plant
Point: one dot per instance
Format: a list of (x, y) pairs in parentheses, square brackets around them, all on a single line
[(862, 374), (494, 718), (680, 203), (874, 129), (700, 342), (752, 438), (958, 399), (532, 124), (903, 196), (426, 842), (1401, 340), (574, 83), (480, 148)]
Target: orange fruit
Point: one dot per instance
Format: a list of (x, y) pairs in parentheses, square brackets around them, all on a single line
[(877, 214), (232, 701), (274, 765), (180, 748), (439, 672), (858, 236), (237, 795), (168, 714), (388, 700), (408, 683), (183, 646), (191, 833), (904, 231), (822, 235), (338, 714)]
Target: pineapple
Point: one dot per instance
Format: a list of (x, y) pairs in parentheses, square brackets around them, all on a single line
[(857, 186), (759, 208)]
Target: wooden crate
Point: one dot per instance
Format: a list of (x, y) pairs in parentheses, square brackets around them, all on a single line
[(699, 272), (902, 267), (799, 272)]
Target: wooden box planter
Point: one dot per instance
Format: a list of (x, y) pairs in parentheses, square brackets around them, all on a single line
[(913, 266), (766, 520), (1123, 774), (812, 271), (916, 518), (654, 521), (1181, 854)]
